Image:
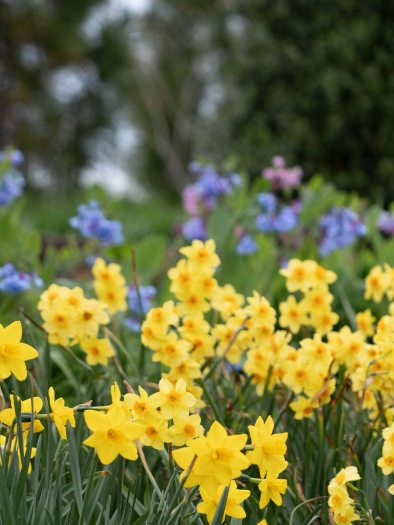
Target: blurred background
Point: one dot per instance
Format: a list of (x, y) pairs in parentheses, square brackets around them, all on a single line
[(125, 93)]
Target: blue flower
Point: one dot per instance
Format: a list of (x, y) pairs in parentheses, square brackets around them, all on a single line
[(14, 281), (11, 186), (92, 223), (210, 185), (194, 228), (386, 223), (139, 305), (267, 201), (286, 220), (246, 245), (339, 227)]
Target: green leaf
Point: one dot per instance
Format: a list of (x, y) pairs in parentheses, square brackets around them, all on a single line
[(219, 514), (74, 464)]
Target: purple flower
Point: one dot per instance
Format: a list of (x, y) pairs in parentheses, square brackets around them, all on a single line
[(14, 281), (194, 228), (386, 222), (209, 187), (339, 227), (246, 245), (92, 223)]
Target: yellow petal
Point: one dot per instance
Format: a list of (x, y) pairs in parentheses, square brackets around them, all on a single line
[(13, 332)]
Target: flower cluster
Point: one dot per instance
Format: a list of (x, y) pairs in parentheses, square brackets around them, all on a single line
[(214, 461), (110, 285), (386, 462), (340, 503), (201, 197), (314, 309), (282, 176), (140, 302), (12, 181), (71, 318), (386, 222), (92, 224), (340, 227), (58, 413), (143, 417), (14, 281), (379, 283), (274, 216), (268, 454)]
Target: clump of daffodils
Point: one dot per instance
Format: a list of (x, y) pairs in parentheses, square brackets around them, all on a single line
[(71, 318), (380, 283), (268, 454), (58, 413), (314, 308), (339, 502)]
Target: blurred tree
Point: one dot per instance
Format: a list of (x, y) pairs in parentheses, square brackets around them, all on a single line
[(59, 86), (174, 63), (312, 81)]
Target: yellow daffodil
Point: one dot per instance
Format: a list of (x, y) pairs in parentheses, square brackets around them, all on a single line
[(186, 429), (98, 351), (14, 353), (174, 400), (60, 413), (219, 458), (269, 449), (31, 406), (272, 488), (113, 434), (211, 499)]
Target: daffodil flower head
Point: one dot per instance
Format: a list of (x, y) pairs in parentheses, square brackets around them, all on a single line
[(174, 400), (113, 434), (14, 353), (219, 458), (60, 414), (233, 508)]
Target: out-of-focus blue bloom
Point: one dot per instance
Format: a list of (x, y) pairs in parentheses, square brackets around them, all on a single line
[(209, 186), (339, 227), (11, 187), (12, 157), (17, 157), (246, 245), (194, 228), (92, 223), (14, 281), (267, 201), (286, 220), (12, 181), (282, 222), (235, 179), (147, 294), (139, 306), (265, 222), (234, 368), (386, 222)]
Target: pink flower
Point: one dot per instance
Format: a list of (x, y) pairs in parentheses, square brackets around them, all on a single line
[(191, 200), (281, 176)]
